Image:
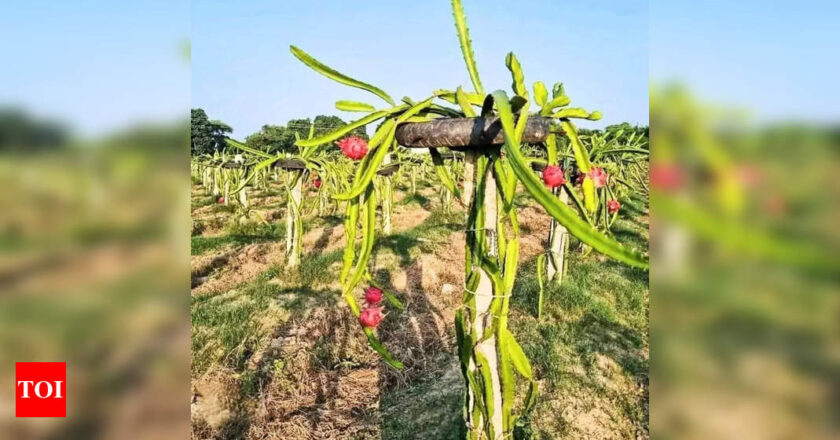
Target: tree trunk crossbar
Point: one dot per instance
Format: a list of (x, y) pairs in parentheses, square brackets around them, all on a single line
[(466, 133), (290, 164)]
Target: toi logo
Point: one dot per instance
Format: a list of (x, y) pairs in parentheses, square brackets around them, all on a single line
[(40, 389)]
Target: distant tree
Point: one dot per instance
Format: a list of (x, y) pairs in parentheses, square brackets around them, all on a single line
[(588, 131), (20, 131), (206, 136), (277, 138), (325, 124), (270, 138), (301, 127), (626, 130)]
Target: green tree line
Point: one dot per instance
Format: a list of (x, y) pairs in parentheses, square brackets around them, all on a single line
[(208, 135)]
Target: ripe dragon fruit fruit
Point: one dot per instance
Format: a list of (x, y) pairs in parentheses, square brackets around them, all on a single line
[(220, 200), (373, 295), (553, 176), (371, 317), (353, 147), (613, 206), (598, 176), (317, 182)]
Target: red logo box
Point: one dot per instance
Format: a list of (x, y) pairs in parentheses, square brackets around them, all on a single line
[(41, 389)]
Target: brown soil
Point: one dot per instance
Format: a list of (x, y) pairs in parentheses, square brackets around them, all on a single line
[(235, 267), (534, 224), (587, 413), (413, 216), (324, 240), (321, 380), (212, 399)]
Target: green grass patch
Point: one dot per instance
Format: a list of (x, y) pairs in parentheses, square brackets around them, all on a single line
[(228, 327), (239, 235), (431, 408), (599, 311), (199, 202), (415, 198)]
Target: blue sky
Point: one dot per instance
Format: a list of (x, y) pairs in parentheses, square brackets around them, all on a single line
[(102, 65), (778, 59), (243, 73), (97, 65)]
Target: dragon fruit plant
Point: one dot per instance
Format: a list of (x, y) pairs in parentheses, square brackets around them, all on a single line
[(406, 167), (489, 354), (448, 197), (221, 175), (293, 179), (602, 167), (356, 148)]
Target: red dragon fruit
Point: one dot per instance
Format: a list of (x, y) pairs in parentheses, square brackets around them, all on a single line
[(371, 317), (553, 176), (373, 295), (613, 206), (353, 147), (598, 176), (220, 200), (317, 182)]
